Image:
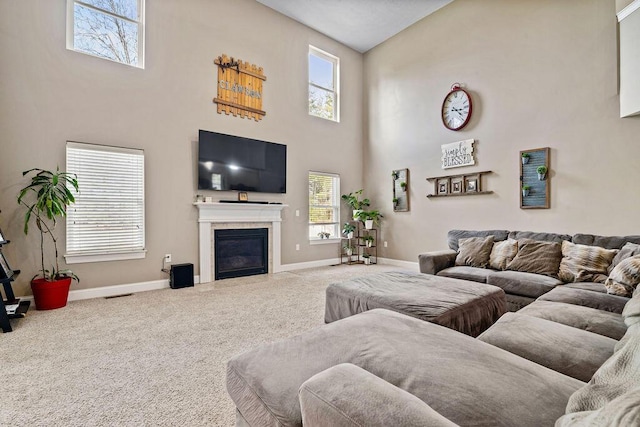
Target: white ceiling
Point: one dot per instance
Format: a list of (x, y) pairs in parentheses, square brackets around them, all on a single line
[(359, 24)]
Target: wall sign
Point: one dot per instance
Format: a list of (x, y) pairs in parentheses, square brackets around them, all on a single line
[(239, 88), (458, 154)]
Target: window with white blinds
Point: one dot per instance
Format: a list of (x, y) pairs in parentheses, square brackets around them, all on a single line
[(324, 206), (107, 220)]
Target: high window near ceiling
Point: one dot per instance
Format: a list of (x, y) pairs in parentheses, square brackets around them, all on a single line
[(110, 29), (324, 78), (106, 222), (324, 207)]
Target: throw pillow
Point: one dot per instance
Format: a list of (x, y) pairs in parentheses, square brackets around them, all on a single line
[(628, 250), (474, 251), (624, 278), (537, 257), (502, 253), (584, 263)]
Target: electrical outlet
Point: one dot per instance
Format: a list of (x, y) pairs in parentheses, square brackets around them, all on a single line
[(297, 212), (297, 246), (385, 243), (167, 258)]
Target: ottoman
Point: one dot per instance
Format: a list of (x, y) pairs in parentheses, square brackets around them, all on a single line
[(465, 306)]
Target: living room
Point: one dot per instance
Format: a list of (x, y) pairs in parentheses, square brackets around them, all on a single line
[(541, 74)]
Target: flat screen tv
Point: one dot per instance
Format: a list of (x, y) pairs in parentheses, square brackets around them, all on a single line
[(227, 162)]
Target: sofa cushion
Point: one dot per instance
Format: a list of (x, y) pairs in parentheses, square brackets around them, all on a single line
[(588, 286), (419, 357), (474, 251), (537, 257), (454, 235), (607, 242), (614, 389), (628, 250), (349, 396), (502, 253), (544, 237), (584, 263), (474, 274), (624, 279), (597, 300), (589, 319), (525, 284), (564, 349)]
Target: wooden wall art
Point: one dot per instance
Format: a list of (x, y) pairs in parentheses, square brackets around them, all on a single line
[(239, 88), (400, 190), (534, 192), (458, 185), (458, 154)]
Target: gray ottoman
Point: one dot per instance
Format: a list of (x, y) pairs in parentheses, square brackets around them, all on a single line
[(467, 307)]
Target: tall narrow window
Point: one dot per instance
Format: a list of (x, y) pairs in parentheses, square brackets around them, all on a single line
[(324, 206), (111, 29), (107, 220), (324, 78)]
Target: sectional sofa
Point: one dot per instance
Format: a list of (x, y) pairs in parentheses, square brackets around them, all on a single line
[(526, 281), (570, 358)]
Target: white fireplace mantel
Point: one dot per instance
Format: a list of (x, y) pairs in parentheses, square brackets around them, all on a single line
[(209, 213)]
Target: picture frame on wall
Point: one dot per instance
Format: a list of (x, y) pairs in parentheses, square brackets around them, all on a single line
[(471, 185), (456, 185), (443, 186)]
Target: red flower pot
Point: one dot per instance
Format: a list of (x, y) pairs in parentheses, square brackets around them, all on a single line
[(50, 294)]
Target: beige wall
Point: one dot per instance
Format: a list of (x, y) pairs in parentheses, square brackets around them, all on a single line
[(541, 73), (49, 95), (630, 64)]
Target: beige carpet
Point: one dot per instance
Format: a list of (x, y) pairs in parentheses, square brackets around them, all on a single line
[(154, 358)]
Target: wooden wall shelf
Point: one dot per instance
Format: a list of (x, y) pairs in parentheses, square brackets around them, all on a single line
[(468, 184)]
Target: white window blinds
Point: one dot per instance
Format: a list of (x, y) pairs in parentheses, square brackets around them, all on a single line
[(108, 215)]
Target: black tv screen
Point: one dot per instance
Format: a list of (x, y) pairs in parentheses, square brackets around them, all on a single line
[(227, 162)]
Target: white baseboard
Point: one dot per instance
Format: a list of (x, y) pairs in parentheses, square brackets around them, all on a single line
[(115, 290), (400, 263), (310, 264)]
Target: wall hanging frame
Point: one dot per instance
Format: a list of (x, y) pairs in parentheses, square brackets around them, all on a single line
[(400, 179), (239, 88), (534, 179)]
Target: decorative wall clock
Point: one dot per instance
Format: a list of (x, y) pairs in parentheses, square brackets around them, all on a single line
[(456, 108)]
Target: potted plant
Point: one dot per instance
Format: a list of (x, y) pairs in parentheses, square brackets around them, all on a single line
[(368, 240), (403, 184), (324, 235), (348, 250), (525, 158), (542, 172), (353, 200), (348, 229), (395, 202), (46, 199), (394, 175), (369, 218), (367, 258), (525, 190)]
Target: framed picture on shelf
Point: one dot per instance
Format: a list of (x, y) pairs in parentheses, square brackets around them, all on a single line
[(5, 270), (471, 185), (456, 185), (443, 186)]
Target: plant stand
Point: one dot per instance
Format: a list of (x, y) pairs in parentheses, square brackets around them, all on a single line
[(360, 245), (8, 275)]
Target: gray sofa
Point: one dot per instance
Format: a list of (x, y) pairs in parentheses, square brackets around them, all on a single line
[(521, 288), (383, 368)]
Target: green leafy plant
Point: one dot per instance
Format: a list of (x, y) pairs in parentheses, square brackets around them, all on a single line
[(394, 175), (526, 155), (395, 200), (365, 255), (368, 238), (403, 185), (353, 200), (46, 199), (542, 170), (526, 187), (348, 228)]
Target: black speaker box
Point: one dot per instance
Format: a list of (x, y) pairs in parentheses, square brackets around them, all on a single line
[(181, 276)]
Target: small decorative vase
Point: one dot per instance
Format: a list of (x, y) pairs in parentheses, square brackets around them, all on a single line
[(356, 212), (525, 160), (542, 176), (369, 242), (349, 252), (368, 224), (350, 235), (367, 261), (525, 193)]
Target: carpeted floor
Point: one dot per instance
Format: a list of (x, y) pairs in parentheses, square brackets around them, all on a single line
[(154, 358)]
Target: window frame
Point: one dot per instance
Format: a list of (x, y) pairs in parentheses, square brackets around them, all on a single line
[(336, 81), (315, 240), (77, 257), (140, 23)]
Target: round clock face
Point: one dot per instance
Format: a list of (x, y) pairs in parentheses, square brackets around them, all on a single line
[(456, 109)]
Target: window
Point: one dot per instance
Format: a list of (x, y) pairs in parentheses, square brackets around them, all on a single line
[(324, 98), (106, 222), (111, 29), (324, 206)]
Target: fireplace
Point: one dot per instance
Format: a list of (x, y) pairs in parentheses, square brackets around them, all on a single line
[(241, 252)]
